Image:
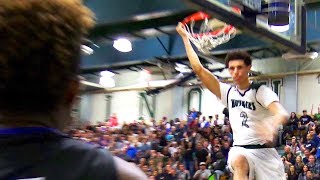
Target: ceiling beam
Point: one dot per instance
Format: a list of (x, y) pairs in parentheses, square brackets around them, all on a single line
[(135, 24)]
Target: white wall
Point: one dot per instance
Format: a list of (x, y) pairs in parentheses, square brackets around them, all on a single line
[(173, 102), (126, 105), (308, 93), (178, 102), (289, 92), (93, 108), (210, 104), (164, 105)]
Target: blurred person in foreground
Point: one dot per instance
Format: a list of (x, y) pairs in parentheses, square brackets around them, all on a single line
[(39, 63)]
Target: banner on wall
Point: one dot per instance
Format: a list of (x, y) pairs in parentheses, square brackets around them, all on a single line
[(274, 84)]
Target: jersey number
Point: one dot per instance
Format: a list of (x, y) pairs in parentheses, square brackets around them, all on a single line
[(245, 119)]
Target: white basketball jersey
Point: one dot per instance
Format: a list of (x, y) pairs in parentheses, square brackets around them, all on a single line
[(246, 108)]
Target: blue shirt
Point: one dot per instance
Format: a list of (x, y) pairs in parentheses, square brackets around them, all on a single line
[(309, 145), (318, 152), (132, 152)]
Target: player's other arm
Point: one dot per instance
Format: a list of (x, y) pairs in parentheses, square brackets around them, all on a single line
[(267, 98), (207, 78), (279, 112)]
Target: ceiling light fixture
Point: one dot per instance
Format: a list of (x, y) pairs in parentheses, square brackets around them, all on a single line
[(107, 82), (107, 73), (122, 45), (106, 79), (86, 50), (295, 56), (280, 28)]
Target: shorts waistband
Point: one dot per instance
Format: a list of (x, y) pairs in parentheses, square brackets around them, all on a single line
[(255, 146)]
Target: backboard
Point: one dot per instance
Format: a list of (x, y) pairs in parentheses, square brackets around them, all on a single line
[(256, 17)]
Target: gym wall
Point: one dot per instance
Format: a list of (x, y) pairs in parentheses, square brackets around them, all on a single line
[(296, 93)]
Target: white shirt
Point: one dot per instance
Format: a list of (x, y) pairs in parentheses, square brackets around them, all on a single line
[(172, 150), (203, 124), (246, 109)]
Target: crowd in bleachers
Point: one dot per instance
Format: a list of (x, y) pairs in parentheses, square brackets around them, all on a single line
[(301, 137), (198, 147)]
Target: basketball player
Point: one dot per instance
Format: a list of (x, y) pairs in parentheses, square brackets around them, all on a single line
[(39, 62), (250, 111)]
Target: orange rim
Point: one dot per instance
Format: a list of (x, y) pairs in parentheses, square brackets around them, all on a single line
[(201, 16)]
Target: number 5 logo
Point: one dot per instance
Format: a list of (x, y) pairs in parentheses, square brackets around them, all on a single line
[(245, 119)]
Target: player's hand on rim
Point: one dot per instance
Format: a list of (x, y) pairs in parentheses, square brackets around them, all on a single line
[(181, 30)]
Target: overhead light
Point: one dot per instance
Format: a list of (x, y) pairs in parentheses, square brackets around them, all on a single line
[(107, 82), (106, 79), (183, 70), (295, 56), (86, 50), (107, 73), (181, 65), (122, 45), (280, 28), (180, 75), (314, 55)]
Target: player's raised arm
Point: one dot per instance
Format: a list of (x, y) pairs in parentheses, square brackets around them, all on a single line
[(207, 78)]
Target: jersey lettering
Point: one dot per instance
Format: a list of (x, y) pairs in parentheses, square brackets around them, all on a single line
[(245, 104), (245, 119)]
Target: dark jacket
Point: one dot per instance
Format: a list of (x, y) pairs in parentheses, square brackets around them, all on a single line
[(52, 155)]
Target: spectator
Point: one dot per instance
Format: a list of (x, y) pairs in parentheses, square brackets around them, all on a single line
[(220, 165), (304, 121), (313, 166), (310, 144), (292, 123), (201, 154), (298, 166), (310, 175), (193, 114), (303, 174), (306, 156), (113, 120), (189, 158), (203, 173), (290, 158), (183, 174), (316, 116), (292, 174), (294, 147)]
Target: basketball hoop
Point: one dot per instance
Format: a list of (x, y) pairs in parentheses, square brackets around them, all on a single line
[(207, 37)]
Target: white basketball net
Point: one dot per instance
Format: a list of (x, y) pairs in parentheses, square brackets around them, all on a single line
[(205, 40)]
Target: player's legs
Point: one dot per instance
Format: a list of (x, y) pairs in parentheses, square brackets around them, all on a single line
[(240, 166), (260, 164)]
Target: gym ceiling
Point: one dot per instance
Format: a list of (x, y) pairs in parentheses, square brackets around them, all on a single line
[(150, 26)]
